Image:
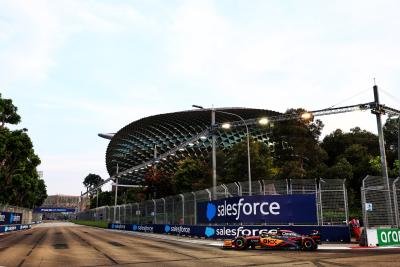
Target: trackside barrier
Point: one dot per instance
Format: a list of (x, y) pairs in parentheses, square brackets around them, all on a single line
[(328, 233), (380, 206), (26, 216), (383, 237), (15, 227), (377, 202), (331, 202)]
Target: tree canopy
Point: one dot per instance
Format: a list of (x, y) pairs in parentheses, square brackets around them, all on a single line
[(92, 180), (20, 183), (8, 112)]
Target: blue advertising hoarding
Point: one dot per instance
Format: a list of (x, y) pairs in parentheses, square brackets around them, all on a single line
[(328, 233), (18, 227), (298, 209), (54, 210), (10, 218)]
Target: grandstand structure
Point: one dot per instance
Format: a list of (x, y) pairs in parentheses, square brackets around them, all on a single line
[(146, 139)]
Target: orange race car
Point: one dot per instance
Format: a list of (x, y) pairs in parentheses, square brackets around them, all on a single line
[(276, 239)]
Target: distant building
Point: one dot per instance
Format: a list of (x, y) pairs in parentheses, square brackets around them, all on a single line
[(63, 206)]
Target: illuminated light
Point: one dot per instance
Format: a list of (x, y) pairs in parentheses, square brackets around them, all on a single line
[(306, 115), (263, 121), (149, 165), (191, 144), (142, 168), (172, 154), (164, 158), (203, 137), (136, 170), (157, 161), (226, 126), (181, 149)]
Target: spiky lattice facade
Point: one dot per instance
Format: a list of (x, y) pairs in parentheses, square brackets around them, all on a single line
[(137, 142)]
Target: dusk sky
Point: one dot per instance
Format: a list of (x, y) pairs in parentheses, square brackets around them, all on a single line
[(78, 68)]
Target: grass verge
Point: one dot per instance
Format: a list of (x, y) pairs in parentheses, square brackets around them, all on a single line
[(99, 224)]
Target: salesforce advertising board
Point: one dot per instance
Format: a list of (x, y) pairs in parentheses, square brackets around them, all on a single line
[(259, 209), (328, 233)]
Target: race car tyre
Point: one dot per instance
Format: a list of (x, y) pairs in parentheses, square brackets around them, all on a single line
[(241, 243), (308, 245)]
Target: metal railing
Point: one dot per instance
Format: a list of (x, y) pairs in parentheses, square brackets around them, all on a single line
[(331, 196)]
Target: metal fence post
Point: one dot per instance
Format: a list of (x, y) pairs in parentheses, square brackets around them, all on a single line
[(395, 202), (165, 214), (136, 213), (240, 190), (154, 212), (261, 186), (119, 214), (225, 189), (183, 209), (363, 203), (195, 207), (131, 218), (316, 201), (125, 213), (209, 194), (320, 203), (346, 204)]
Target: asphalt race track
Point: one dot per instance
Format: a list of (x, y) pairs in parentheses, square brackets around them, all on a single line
[(64, 244)]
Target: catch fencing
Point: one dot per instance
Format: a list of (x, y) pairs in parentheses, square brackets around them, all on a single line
[(331, 199), (380, 202), (27, 215)]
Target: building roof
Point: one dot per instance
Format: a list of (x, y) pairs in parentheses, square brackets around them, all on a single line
[(141, 140)]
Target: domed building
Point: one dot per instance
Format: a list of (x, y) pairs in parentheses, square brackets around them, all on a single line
[(165, 139)]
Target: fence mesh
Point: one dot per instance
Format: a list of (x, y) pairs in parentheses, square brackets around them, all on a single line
[(331, 199), (333, 202), (377, 202), (276, 187)]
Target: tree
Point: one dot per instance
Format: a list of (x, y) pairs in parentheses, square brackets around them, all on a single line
[(158, 184), (236, 162), (352, 155), (191, 175), (105, 199), (92, 180), (390, 132), (8, 112), (337, 142), (296, 147), (20, 183), (341, 170)]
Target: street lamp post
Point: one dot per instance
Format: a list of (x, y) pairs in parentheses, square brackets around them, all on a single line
[(248, 147), (214, 157), (116, 195), (214, 154)]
